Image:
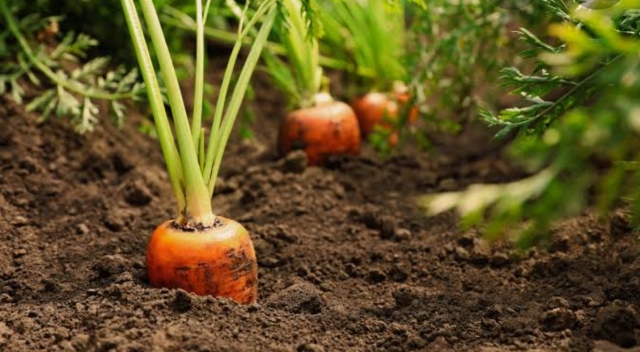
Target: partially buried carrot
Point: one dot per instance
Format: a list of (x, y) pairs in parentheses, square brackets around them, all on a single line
[(219, 260), (198, 251), (318, 124), (381, 109), (327, 128)]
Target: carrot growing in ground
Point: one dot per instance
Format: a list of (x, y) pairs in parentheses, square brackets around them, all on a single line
[(198, 251), (319, 124), (373, 33)]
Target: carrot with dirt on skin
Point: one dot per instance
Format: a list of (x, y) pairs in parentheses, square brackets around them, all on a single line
[(319, 125), (198, 251)]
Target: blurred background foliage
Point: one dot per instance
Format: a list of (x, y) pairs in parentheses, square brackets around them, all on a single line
[(576, 133)]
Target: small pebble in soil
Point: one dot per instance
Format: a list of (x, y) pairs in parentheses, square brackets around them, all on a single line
[(376, 276), (110, 265), (182, 301), (351, 269), (298, 298), (402, 234), (253, 307), (50, 285), (558, 319), (28, 164), (558, 302), (6, 137), (269, 262), (137, 193), (5, 298), (20, 252), (462, 254), (387, 227), (122, 163), (375, 221), (124, 277), (403, 296), (224, 186), (114, 222), (481, 252), (494, 311), (439, 344), (499, 259), (466, 239), (619, 224), (295, 162), (399, 273), (617, 323), (559, 244), (416, 342), (310, 347), (82, 229), (285, 233), (19, 221), (80, 342)]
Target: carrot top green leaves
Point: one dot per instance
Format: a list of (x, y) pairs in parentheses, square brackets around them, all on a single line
[(192, 170), (372, 34), (301, 77)]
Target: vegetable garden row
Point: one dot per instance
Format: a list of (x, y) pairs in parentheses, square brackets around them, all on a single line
[(331, 175)]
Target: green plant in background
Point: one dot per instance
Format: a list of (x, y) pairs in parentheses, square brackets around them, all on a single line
[(300, 78), (67, 86), (578, 134), (456, 49), (102, 20), (370, 35)]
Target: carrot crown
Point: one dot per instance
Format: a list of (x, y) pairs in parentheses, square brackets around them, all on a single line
[(193, 162)]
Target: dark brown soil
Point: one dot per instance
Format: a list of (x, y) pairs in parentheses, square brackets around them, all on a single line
[(347, 261)]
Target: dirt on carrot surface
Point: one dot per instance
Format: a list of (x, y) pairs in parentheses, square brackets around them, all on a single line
[(347, 261)]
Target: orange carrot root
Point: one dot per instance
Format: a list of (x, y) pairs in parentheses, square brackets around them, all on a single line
[(372, 109), (323, 130), (219, 261)]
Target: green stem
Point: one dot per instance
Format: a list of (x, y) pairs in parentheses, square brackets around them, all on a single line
[(303, 54), (198, 95), (179, 19), (13, 27), (201, 148), (556, 103), (240, 90), (198, 201), (224, 87), (169, 150), (206, 13)]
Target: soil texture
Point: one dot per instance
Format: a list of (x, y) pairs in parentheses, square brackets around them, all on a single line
[(347, 261)]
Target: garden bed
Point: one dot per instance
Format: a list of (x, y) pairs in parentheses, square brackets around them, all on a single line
[(347, 261)]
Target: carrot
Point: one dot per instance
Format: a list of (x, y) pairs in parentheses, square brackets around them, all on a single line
[(318, 124), (376, 37), (218, 261), (380, 109), (327, 128), (198, 251)]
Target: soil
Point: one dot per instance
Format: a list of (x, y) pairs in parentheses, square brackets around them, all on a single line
[(347, 261)]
